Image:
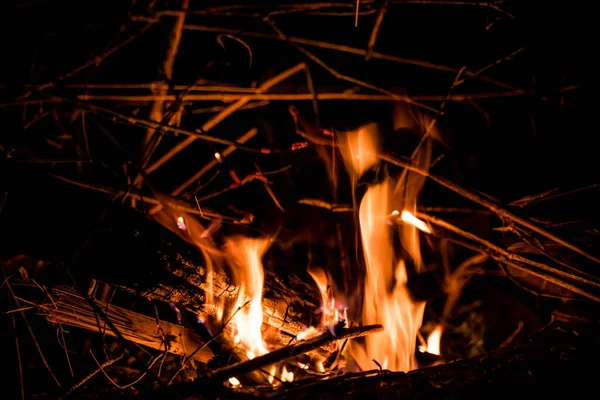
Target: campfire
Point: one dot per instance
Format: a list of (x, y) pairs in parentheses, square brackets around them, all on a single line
[(285, 226)]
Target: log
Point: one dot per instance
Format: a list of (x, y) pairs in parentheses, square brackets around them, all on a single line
[(562, 355), (70, 308), (131, 246), (293, 350)]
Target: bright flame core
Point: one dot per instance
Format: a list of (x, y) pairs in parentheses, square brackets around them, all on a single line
[(332, 313), (433, 340), (246, 259), (386, 299)]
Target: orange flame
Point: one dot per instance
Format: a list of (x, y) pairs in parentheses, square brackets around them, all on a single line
[(433, 340), (333, 313), (246, 258), (386, 299)]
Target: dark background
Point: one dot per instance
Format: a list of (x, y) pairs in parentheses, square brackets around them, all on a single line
[(507, 147)]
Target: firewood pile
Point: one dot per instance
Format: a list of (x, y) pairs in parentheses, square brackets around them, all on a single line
[(292, 200)]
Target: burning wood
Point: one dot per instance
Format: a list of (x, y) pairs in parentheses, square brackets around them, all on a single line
[(246, 327), (71, 309)]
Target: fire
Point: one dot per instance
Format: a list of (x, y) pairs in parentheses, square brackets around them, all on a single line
[(433, 340), (386, 299), (246, 259), (287, 376), (333, 314), (409, 218)]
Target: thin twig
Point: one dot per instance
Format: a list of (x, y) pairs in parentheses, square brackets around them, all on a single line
[(234, 95), (344, 49), (35, 342), (192, 136), (292, 351), (485, 202), (205, 213), (347, 78), (97, 60), (375, 31), (222, 115), (211, 164), (223, 326), (142, 376), (500, 254), (512, 337), (157, 111), (18, 351), (89, 376)]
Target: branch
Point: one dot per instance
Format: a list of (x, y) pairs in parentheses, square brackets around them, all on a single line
[(342, 48), (233, 94), (292, 351), (517, 261), (496, 209), (97, 60), (149, 200), (192, 135), (222, 115), (89, 376), (375, 31)]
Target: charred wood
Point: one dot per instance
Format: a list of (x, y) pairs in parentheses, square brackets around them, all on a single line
[(173, 271), (71, 309)]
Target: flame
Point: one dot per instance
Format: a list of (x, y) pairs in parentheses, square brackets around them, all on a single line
[(287, 376), (332, 314), (386, 299), (246, 258), (433, 340), (234, 382), (409, 218), (192, 231)]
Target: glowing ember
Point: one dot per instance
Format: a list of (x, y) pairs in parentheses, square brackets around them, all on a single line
[(234, 382), (287, 376), (219, 158), (409, 218), (433, 340), (332, 314), (181, 224)]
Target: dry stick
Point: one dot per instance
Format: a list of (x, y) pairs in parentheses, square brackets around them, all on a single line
[(504, 252), (344, 77), (89, 376), (157, 110), (208, 342), (222, 115), (192, 135), (328, 96), (344, 49), (295, 7), (177, 206), (214, 109), (37, 345), (503, 261), (210, 165), (433, 121), (94, 61), (496, 209), (19, 363), (499, 61), (292, 351), (138, 379), (375, 31), (517, 261)]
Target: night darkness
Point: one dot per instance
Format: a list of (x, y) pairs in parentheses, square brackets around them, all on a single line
[(76, 87)]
